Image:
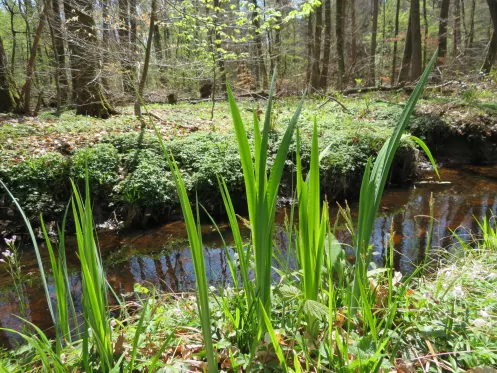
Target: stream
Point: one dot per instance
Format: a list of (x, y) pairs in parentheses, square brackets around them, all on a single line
[(160, 256)]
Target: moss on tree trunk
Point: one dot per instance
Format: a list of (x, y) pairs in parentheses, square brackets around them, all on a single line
[(9, 97), (88, 95)]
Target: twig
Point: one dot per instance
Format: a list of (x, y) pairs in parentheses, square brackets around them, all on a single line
[(331, 98)]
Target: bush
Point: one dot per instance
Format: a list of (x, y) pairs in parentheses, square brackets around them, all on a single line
[(103, 164), (148, 182), (40, 184)]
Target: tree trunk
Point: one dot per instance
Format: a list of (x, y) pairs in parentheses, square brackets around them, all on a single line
[(276, 58), (395, 42), (327, 45), (353, 45), (417, 55), (442, 31), (258, 46), (157, 43), (26, 89), (125, 40), (106, 42), (492, 48), (425, 35), (465, 29), (472, 25), (457, 28), (146, 63), (217, 46), (55, 23), (84, 60), (9, 97), (309, 49), (339, 26), (406, 58), (372, 56), (316, 52)]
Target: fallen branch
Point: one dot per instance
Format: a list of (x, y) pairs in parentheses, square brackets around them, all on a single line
[(334, 99)]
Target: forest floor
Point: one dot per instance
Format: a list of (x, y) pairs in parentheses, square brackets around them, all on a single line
[(39, 154)]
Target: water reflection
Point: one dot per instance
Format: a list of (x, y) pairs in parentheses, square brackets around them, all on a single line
[(161, 256)]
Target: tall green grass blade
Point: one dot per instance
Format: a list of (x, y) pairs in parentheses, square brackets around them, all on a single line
[(262, 192), (373, 185), (312, 229), (136, 338), (37, 252), (63, 332), (197, 250), (94, 286), (274, 341)]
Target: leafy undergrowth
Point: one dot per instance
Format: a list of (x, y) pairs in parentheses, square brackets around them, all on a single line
[(130, 184), (129, 180), (444, 321)]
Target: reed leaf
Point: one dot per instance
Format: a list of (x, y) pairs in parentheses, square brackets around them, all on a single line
[(196, 247), (373, 184), (261, 192)]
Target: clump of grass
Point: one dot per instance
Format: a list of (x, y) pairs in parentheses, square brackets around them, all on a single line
[(261, 193)]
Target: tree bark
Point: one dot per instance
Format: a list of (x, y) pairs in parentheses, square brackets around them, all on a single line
[(310, 39), (327, 45), (372, 56), (457, 28), (395, 42), (339, 26), (316, 53), (106, 42), (442, 32), (9, 97), (406, 58), (157, 43), (125, 32), (353, 45), (425, 35), (55, 24), (492, 48), (471, 25), (26, 89), (84, 60), (146, 63), (417, 55), (258, 46)]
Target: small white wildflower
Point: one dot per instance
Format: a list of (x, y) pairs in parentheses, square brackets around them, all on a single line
[(479, 323), (2, 261), (458, 291), (113, 323), (177, 311), (212, 288), (7, 253), (484, 313)]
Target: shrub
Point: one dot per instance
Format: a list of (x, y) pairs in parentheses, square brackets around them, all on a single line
[(148, 182), (40, 183), (103, 165)]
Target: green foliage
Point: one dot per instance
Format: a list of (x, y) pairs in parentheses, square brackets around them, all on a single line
[(197, 249), (102, 162), (148, 182), (39, 183)]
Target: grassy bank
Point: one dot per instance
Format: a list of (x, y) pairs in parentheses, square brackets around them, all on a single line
[(132, 186)]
